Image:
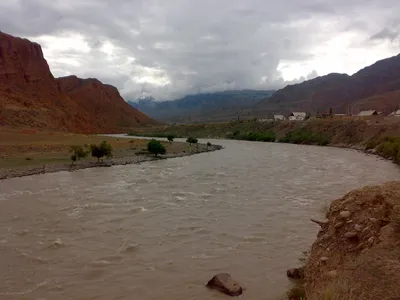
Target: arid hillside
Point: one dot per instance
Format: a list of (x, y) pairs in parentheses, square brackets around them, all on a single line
[(375, 87), (31, 97)]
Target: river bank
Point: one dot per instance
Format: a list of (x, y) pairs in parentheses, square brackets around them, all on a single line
[(379, 137), (356, 254), (30, 152)]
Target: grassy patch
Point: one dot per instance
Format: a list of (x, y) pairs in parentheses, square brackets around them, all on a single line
[(306, 137), (390, 148)]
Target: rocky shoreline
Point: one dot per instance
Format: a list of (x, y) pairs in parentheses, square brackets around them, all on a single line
[(120, 161)]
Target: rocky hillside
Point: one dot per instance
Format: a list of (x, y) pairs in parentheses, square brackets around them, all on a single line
[(31, 97), (356, 254), (205, 107), (374, 87)]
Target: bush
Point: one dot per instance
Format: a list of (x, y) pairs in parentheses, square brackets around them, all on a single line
[(390, 148), (103, 150), (155, 147), (258, 136), (79, 151), (191, 140), (170, 137), (307, 137)]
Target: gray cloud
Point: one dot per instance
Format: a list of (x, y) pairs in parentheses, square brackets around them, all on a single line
[(386, 33), (170, 48)]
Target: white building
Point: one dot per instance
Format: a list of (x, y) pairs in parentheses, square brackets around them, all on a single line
[(395, 113), (367, 113), (297, 116), (279, 117)]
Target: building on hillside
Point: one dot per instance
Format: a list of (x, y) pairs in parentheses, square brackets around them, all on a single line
[(279, 117), (367, 113), (395, 113), (297, 116)]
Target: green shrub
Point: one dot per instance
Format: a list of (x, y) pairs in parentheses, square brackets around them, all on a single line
[(170, 137), (371, 144), (390, 148), (258, 136), (103, 150), (155, 147), (191, 140), (307, 137)]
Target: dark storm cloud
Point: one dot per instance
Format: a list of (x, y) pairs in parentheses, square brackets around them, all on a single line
[(169, 48)]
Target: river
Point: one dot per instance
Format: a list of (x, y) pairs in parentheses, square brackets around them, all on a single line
[(162, 229)]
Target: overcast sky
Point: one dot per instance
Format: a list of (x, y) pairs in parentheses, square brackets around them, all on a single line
[(168, 48)]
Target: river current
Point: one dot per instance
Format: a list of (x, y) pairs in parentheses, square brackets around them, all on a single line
[(162, 229)]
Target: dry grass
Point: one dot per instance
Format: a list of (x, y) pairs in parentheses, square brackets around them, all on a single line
[(30, 148), (335, 291)]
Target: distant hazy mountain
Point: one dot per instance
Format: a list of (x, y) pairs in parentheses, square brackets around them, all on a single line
[(218, 106)]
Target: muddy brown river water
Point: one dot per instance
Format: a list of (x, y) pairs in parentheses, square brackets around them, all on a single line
[(161, 229)]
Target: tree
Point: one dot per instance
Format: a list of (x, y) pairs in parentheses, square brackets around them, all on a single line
[(103, 150), (73, 158), (191, 140), (155, 147), (107, 149), (170, 138), (78, 152)]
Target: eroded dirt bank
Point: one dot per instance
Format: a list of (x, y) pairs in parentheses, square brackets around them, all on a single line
[(357, 252)]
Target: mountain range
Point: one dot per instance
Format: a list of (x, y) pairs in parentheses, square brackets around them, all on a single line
[(376, 87), (205, 107), (31, 97)]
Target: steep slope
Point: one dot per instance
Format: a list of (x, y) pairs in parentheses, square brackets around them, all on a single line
[(218, 106), (364, 90), (102, 102), (31, 97), (356, 254)]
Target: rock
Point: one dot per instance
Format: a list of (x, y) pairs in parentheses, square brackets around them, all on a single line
[(332, 273), (224, 283), (358, 227), (320, 223), (349, 222), (345, 214), (371, 240), (324, 237), (350, 235), (338, 225), (295, 273), (324, 259)]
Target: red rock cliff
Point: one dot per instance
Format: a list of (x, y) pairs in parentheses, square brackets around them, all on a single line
[(31, 97)]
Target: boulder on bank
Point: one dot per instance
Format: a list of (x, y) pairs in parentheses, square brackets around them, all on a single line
[(224, 283), (295, 273)]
